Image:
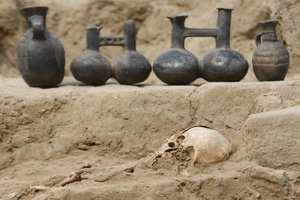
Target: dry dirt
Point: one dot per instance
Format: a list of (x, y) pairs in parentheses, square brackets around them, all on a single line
[(45, 134), (48, 133)]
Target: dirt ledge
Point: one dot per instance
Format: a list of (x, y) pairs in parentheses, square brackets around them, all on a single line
[(49, 132)]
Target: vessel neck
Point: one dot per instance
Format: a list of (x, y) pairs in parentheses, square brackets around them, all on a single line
[(36, 20), (178, 29), (129, 36), (269, 30), (223, 28), (93, 38)]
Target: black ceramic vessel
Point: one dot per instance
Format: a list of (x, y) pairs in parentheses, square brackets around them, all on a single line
[(41, 56), (176, 66), (270, 58), (130, 67), (223, 63), (91, 66)]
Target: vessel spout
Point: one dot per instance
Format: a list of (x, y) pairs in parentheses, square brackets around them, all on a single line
[(38, 26)]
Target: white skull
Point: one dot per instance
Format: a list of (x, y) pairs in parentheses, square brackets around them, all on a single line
[(203, 145)]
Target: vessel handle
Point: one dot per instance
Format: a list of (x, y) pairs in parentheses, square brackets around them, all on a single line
[(258, 40)]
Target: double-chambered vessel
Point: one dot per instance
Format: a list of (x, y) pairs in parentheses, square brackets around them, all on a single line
[(179, 66), (94, 68)]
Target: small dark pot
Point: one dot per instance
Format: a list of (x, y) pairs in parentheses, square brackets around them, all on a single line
[(91, 67), (224, 65), (131, 67), (176, 66), (271, 58)]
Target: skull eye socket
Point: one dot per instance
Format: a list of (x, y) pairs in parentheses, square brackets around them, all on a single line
[(171, 144), (180, 139)]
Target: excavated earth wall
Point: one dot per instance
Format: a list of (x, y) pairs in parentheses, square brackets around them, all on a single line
[(45, 134)]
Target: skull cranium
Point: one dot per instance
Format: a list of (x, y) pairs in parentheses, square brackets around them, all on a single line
[(202, 144)]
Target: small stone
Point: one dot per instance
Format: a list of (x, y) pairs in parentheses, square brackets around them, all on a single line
[(83, 147)]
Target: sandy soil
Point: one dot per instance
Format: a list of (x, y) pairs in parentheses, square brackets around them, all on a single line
[(48, 133)]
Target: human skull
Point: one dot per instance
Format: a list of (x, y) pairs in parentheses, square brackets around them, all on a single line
[(202, 144)]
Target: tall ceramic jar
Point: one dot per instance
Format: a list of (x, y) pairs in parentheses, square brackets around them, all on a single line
[(270, 58), (41, 56)]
